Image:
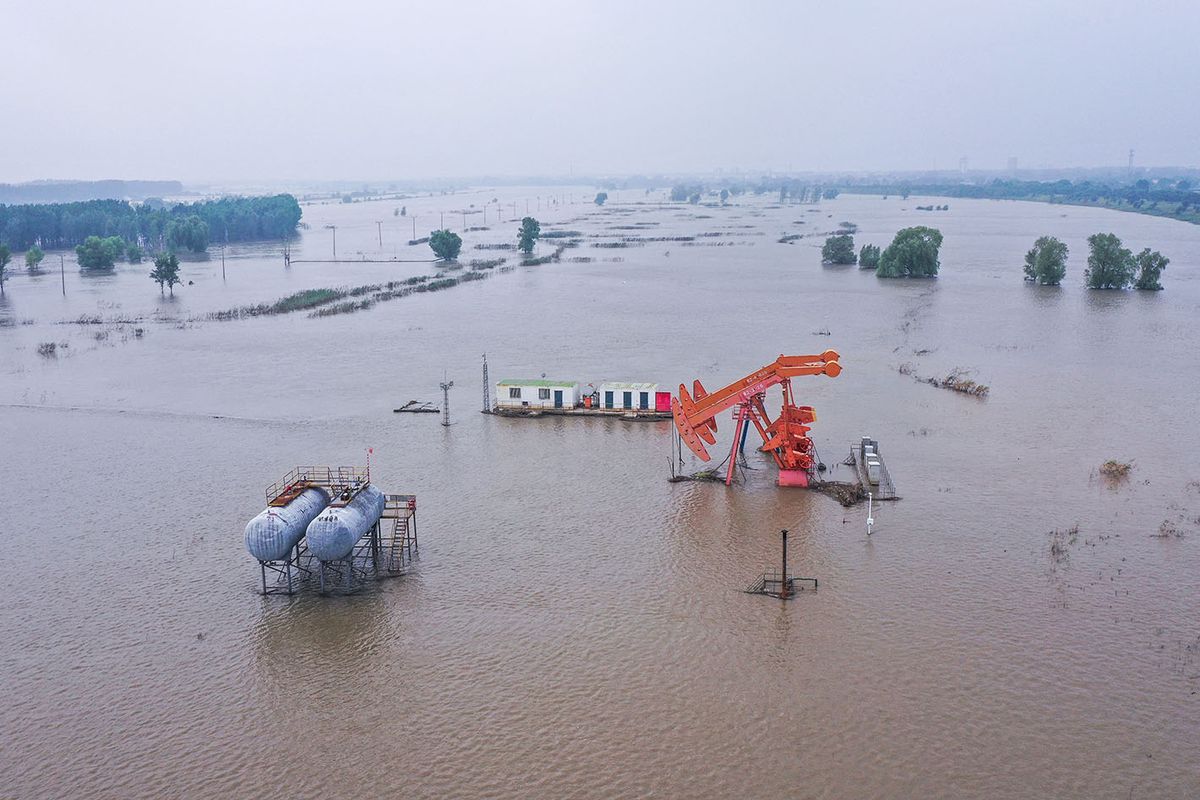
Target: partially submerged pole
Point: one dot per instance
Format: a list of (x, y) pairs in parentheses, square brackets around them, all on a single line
[(784, 589)]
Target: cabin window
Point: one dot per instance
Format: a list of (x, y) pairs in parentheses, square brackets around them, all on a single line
[(543, 394), (514, 393)]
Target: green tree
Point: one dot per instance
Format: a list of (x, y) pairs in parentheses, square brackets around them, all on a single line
[(1110, 266), (1149, 267), (868, 257), (1046, 262), (5, 257), (839, 250), (601, 198), (694, 198), (528, 233), (724, 196), (97, 253), (912, 254), (134, 253), (33, 258), (166, 271), (190, 232), (445, 244)]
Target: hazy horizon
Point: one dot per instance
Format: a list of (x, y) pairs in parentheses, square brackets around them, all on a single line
[(375, 91)]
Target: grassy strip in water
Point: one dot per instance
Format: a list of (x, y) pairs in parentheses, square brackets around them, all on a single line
[(349, 307), (490, 263), (323, 302), (312, 298)]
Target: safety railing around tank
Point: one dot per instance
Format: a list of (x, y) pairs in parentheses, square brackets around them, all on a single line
[(326, 476)]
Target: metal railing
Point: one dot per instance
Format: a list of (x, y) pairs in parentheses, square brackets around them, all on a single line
[(325, 476)]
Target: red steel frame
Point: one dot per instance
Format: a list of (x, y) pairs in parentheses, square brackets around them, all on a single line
[(785, 438)]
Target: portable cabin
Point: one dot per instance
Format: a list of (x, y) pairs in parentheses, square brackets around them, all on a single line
[(618, 396), (516, 394)]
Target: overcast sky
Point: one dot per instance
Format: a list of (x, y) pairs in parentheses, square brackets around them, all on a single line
[(376, 90)]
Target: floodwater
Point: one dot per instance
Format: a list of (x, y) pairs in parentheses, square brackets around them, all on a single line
[(575, 624)]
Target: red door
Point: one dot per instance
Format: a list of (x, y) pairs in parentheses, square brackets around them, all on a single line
[(662, 401)]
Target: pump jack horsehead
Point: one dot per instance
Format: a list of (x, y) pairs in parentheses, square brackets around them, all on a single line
[(785, 438)]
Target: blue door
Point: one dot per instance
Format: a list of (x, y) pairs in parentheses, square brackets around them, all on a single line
[(608, 400), (558, 398), (629, 399), (645, 400)]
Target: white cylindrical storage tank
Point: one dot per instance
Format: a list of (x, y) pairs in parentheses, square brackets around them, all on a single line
[(331, 536), (275, 531)]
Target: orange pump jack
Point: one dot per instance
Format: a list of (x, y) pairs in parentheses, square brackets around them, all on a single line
[(785, 438)]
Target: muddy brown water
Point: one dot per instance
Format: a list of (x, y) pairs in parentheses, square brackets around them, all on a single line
[(575, 625)]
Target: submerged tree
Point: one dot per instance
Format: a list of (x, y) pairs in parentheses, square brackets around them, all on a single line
[(601, 198), (33, 258), (166, 271), (912, 254), (5, 257), (1110, 266), (1046, 262), (97, 253), (1149, 267), (839, 250), (134, 253), (527, 234), (868, 257), (445, 244), (724, 196)]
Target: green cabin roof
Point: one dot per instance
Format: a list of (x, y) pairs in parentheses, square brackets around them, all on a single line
[(542, 383)]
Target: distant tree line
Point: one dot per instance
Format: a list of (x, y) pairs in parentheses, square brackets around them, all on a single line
[(789, 190), (154, 225), (1167, 197), (76, 191)]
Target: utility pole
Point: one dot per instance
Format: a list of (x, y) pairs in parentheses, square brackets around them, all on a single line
[(334, 229), (446, 401), (442, 220), (414, 219), (379, 225), (222, 263), (464, 221), (62, 272)]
